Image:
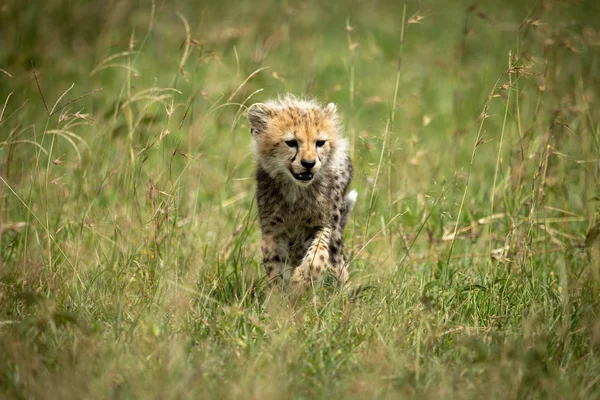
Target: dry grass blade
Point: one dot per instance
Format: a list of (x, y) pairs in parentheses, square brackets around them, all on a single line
[(127, 67), (242, 107), (69, 136), (245, 81), (60, 98), (73, 101), (188, 40), (105, 63), (153, 94), (39, 88), (2, 121), (12, 142), (12, 226), (188, 107), (6, 73), (5, 104)]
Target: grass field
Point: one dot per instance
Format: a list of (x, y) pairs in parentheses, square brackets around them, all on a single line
[(130, 248)]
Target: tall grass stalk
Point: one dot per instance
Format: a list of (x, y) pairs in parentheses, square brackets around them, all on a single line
[(478, 140), (387, 128), (493, 194)]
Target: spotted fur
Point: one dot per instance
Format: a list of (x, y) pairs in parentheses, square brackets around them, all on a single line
[(303, 174)]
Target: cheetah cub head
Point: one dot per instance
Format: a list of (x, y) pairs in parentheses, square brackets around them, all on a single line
[(294, 139)]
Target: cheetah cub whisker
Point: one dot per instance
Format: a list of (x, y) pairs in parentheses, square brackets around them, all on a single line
[(303, 173)]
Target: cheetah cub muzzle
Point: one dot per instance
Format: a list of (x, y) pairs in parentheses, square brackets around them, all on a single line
[(303, 173)]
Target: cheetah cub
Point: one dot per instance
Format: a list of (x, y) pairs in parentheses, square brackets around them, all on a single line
[(303, 173)]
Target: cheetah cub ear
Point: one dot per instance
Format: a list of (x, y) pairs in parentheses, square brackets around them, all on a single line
[(331, 109), (258, 116)]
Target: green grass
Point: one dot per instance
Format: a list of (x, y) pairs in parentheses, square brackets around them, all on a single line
[(130, 256)]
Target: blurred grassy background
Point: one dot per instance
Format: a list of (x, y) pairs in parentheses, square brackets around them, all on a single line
[(129, 238)]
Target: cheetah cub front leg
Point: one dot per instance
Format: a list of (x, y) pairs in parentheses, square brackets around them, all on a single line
[(326, 251), (313, 265), (274, 256)]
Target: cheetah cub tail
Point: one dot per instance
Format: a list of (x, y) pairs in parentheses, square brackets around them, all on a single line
[(351, 199)]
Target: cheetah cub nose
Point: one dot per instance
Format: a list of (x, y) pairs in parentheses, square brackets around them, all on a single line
[(308, 164)]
